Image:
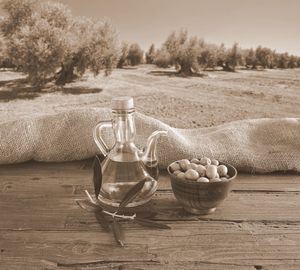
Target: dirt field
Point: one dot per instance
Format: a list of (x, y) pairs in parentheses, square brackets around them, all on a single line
[(215, 98)]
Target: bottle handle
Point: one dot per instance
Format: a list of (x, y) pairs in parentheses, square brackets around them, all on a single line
[(97, 136)]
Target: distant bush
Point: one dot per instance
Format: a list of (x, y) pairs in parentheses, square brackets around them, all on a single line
[(150, 55), (135, 55), (47, 42)]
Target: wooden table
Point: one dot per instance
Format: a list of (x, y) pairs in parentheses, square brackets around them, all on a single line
[(256, 227)]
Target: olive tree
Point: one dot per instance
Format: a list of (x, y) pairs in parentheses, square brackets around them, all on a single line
[(208, 57), (2, 51), (130, 55), (298, 61), (123, 59), (92, 46), (19, 12), (46, 42), (4, 59), (233, 58), (162, 58), (221, 55), (265, 57), (283, 60), (135, 55), (250, 59), (37, 50), (150, 55), (292, 61), (183, 51)]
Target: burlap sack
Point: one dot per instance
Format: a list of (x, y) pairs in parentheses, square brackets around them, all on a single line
[(261, 145)]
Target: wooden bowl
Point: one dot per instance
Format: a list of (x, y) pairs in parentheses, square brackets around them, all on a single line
[(201, 198)]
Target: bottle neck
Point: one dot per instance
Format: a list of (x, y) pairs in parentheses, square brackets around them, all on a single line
[(124, 126)]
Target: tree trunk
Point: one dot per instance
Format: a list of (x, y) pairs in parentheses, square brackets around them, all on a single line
[(66, 74), (227, 67), (185, 70)]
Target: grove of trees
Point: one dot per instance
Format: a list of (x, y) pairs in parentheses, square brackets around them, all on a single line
[(46, 42), (190, 54)]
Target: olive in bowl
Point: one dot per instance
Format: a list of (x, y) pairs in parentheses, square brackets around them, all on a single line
[(200, 185)]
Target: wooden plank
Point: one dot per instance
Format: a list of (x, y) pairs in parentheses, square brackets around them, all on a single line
[(47, 211), (250, 182), (28, 264), (199, 241), (30, 187), (41, 227), (70, 176), (33, 167), (61, 212)]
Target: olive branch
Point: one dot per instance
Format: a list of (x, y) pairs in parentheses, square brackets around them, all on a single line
[(109, 219)]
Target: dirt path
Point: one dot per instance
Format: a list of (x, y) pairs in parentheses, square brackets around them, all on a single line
[(213, 99)]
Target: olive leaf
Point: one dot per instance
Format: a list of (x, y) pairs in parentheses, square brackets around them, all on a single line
[(131, 194), (97, 176), (118, 234), (150, 223)]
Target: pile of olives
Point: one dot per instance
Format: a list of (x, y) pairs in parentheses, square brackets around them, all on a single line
[(200, 170)]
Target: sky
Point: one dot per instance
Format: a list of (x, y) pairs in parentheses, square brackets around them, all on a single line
[(271, 23)]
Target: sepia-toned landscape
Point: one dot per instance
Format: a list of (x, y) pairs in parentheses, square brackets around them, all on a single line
[(204, 176), (62, 56), (52, 60)]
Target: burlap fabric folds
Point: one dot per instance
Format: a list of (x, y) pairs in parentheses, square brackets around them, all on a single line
[(259, 145)]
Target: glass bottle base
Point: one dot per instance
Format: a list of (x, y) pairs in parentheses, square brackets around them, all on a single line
[(199, 211), (145, 196)]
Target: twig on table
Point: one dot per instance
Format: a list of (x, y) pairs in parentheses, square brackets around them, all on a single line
[(90, 197), (119, 216), (107, 212)]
